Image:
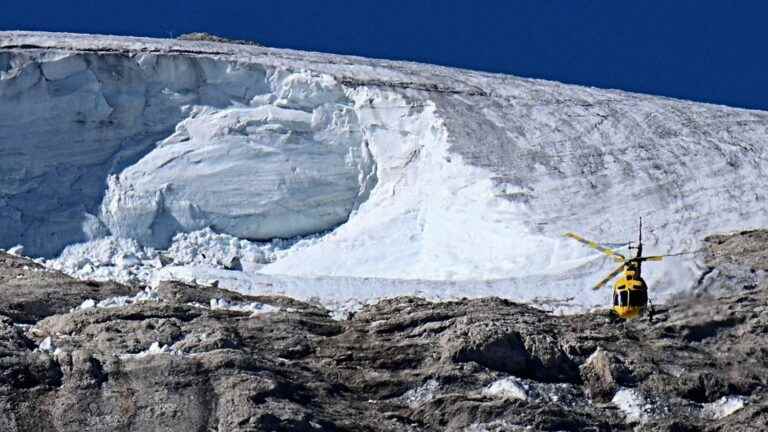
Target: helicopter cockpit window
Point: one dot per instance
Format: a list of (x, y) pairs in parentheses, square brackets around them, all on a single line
[(624, 298), (639, 298)]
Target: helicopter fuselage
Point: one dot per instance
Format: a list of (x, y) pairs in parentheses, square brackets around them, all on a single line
[(630, 293)]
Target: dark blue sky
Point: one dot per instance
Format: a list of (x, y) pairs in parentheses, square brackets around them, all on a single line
[(713, 51)]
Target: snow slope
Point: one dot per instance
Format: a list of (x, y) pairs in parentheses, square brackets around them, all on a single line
[(420, 172)]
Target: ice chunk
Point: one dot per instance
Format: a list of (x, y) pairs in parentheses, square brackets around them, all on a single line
[(87, 304), (127, 260), (723, 407), (633, 404), (509, 388), (154, 349), (419, 395)]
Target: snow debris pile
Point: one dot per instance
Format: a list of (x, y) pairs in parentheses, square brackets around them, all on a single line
[(205, 247), (109, 258), (395, 171), (496, 426), (126, 260)]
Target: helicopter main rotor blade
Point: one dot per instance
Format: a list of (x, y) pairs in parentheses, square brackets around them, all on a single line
[(608, 278), (615, 255), (652, 258)]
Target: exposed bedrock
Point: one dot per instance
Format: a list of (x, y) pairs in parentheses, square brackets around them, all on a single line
[(146, 145), (195, 358)]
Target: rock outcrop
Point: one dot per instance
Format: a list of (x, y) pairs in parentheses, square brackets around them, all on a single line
[(202, 358)]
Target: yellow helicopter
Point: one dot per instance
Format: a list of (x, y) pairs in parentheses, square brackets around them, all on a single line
[(630, 293)]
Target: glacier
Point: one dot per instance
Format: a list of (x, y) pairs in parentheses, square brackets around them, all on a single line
[(408, 178)]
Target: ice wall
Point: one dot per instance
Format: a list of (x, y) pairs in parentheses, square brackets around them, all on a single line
[(143, 145)]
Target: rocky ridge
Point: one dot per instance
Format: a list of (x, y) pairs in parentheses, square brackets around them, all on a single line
[(198, 358)]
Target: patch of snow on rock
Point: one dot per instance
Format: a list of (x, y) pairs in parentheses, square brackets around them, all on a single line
[(147, 295), (154, 349), (497, 426), (723, 407), (17, 250), (254, 308), (47, 345), (633, 404), (419, 395), (562, 394)]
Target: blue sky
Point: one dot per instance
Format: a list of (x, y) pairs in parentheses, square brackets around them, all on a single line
[(712, 51)]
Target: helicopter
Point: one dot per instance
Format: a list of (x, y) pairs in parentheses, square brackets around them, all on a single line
[(630, 292)]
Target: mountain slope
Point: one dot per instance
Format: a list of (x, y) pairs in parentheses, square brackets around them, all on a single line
[(421, 172), (202, 358)]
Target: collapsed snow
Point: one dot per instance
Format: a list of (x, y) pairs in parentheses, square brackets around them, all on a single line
[(181, 160), (127, 261)]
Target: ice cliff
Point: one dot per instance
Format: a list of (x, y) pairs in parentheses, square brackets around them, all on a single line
[(421, 172), (144, 145)]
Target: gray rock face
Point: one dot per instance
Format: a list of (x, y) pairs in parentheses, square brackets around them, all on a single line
[(734, 261), (31, 292), (602, 374), (402, 364)]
